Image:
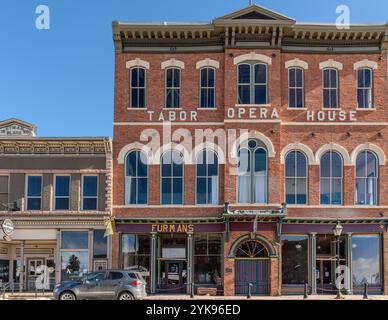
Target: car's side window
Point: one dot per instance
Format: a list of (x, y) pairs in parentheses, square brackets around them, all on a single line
[(133, 275), (115, 276), (95, 277)]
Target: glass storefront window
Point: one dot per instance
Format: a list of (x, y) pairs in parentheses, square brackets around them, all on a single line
[(366, 260), (294, 260), (136, 251), (74, 254), (208, 259), (327, 246), (100, 245)]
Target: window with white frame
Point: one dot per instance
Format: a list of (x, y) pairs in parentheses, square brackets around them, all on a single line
[(137, 87), (208, 88), (34, 193), (136, 178), (62, 193), (252, 83), (330, 88), (331, 178), (207, 177), (366, 178), (296, 172), (295, 87), (172, 163), (252, 173), (4, 193), (364, 88), (173, 88), (89, 193)]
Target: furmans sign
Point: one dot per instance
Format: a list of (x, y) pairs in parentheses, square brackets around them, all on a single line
[(172, 228)]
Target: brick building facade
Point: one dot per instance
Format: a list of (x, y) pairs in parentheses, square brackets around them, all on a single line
[(291, 122)]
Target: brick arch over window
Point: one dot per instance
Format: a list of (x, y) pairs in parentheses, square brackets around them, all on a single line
[(268, 245), (365, 64), (296, 63), (209, 146), (172, 63), (369, 147), (138, 63), (298, 147), (257, 136), (172, 146), (208, 63), (131, 147), (333, 147), (331, 64), (252, 57)]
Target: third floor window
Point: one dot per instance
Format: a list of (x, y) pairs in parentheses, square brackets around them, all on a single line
[(330, 88), (252, 84), (207, 90), (364, 88), (173, 88), (295, 88), (138, 88)]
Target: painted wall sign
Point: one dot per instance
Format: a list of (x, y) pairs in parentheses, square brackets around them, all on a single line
[(263, 113), (172, 228), (173, 116), (331, 115)]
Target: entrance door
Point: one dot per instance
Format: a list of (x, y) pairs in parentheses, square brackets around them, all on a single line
[(252, 271), (34, 271), (173, 276), (325, 283)]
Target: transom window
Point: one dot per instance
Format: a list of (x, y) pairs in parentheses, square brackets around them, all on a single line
[(252, 173), (295, 88), (137, 88), (331, 178), (296, 178), (330, 88), (207, 90), (34, 193), (364, 88), (251, 249), (366, 178), (252, 84), (172, 177), (136, 178), (207, 177), (173, 88), (62, 192)]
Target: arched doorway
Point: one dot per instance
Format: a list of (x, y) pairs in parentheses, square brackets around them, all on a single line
[(252, 265)]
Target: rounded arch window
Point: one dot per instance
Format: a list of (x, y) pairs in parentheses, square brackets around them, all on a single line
[(366, 178), (331, 180), (251, 249), (136, 178)]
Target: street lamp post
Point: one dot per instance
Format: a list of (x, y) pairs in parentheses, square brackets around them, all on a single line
[(337, 230)]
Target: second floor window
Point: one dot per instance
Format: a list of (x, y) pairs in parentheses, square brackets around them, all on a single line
[(138, 88), (296, 178), (366, 178), (34, 193), (295, 88), (89, 193), (207, 90), (207, 178), (252, 84), (252, 173), (173, 88), (62, 193), (331, 178), (136, 178), (172, 178), (330, 88), (4, 201), (364, 88)]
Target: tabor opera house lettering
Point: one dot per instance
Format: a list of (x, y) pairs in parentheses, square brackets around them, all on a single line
[(172, 228)]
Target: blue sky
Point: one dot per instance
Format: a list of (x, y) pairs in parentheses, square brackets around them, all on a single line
[(62, 79)]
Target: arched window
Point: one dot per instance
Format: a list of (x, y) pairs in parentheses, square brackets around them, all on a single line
[(296, 178), (364, 88), (330, 88), (295, 88), (207, 88), (331, 178), (137, 87), (366, 178), (252, 173), (252, 83), (173, 88), (207, 177), (172, 177), (136, 178), (251, 249)]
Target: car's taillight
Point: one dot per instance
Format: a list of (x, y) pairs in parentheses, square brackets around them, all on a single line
[(137, 283)]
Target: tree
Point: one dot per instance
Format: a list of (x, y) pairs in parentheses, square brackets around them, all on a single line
[(73, 264)]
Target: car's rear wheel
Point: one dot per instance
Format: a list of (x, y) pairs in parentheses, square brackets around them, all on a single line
[(126, 296), (67, 295)]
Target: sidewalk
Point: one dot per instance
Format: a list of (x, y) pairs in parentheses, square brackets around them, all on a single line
[(49, 296)]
